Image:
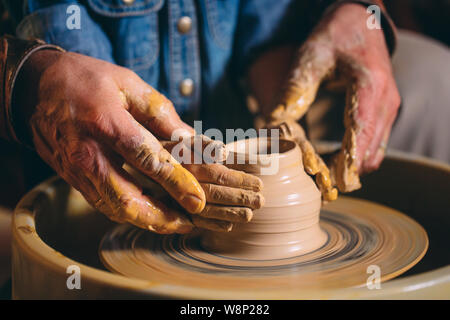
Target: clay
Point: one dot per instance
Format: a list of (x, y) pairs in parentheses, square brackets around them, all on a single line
[(288, 224), (312, 162), (344, 167), (283, 246), (361, 234), (147, 265)]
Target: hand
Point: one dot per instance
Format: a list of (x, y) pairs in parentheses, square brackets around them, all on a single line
[(312, 162), (231, 195), (342, 46), (87, 117)]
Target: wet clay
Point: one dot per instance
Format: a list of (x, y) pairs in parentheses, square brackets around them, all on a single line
[(360, 234), (283, 246), (288, 224)]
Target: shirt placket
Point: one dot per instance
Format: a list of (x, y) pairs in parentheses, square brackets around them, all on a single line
[(184, 55)]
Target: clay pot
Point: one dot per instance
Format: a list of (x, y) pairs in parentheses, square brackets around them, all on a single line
[(288, 223)]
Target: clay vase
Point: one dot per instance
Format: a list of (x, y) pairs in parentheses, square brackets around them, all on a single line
[(288, 224)]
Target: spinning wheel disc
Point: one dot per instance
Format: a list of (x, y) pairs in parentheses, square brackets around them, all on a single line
[(360, 234)]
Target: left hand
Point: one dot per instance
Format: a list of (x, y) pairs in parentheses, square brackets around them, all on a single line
[(342, 45)]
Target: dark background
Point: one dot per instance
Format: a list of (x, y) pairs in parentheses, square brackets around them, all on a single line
[(428, 17)]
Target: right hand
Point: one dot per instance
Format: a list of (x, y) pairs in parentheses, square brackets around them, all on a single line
[(88, 117), (231, 195)]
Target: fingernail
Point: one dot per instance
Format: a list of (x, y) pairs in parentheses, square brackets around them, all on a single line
[(193, 204), (259, 201), (228, 227), (212, 224), (222, 226), (251, 182), (258, 185), (247, 215)]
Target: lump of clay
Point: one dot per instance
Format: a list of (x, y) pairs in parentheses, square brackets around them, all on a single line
[(288, 224)]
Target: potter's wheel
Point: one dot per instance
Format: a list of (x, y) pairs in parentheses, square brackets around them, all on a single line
[(360, 233)]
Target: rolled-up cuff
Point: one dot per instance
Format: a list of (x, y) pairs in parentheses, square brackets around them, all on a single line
[(388, 27), (13, 54)]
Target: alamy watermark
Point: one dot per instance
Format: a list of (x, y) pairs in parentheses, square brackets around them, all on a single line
[(373, 21), (257, 147), (74, 280), (374, 280), (73, 21)]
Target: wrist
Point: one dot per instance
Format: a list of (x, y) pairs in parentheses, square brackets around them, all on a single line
[(14, 53), (386, 25), (28, 81)]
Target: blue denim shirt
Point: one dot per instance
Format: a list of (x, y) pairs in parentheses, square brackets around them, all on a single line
[(143, 35)]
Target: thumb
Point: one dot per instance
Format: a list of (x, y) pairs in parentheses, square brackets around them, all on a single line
[(344, 165), (315, 60)]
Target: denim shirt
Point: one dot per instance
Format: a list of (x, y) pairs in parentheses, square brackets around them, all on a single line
[(145, 36)]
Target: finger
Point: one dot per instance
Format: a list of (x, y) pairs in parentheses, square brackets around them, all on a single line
[(232, 196), (88, 190), (196, 149), (372, 104), (45, 148), (95, 199), (59, 160), (379, 153), (152, 109), (314, 61), (212, 224), (312, 162), (325, 183), (290, 129), (142, 150), (155, 112), (345, 164), (361, 116), (123, 201), (376, 150), (221, 175), (232, 214), (308, 153)]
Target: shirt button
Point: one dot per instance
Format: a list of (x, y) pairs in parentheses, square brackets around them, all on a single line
[(184, 25), (187, 87), (128, 1)]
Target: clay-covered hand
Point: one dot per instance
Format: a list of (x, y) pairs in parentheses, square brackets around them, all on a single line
[(343, 46), (89, 117), (312, 162), (231, 195)]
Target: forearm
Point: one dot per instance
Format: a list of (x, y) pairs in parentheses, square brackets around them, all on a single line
[(14, 53), (267, 73), (323, 7)]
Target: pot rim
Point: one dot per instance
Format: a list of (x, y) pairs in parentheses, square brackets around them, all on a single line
[(286, 154)]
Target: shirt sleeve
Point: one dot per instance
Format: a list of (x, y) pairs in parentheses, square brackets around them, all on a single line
[(267, 23), (56, 22)]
